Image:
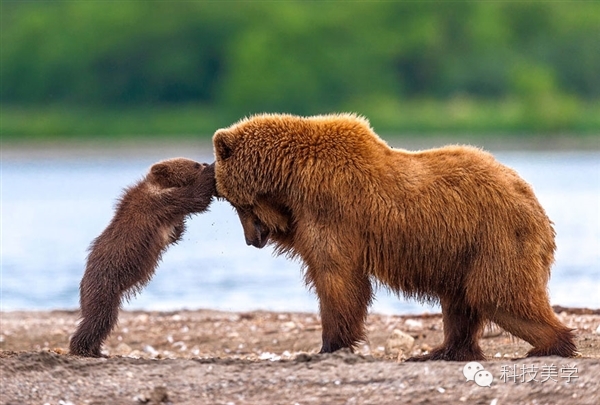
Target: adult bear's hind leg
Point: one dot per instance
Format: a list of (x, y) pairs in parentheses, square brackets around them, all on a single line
[(343, 301), (540, 327)]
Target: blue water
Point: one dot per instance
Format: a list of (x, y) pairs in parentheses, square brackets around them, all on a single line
[(52, 208)]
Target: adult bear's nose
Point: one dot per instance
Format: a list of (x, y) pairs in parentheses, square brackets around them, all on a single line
[(260, 236)]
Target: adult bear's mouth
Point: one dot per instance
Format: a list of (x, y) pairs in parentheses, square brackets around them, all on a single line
[(260, 237), (255, 232)]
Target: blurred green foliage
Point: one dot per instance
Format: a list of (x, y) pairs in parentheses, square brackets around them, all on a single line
[(135, 67)]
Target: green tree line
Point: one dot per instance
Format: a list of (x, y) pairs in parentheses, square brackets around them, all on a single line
[(493, 65)]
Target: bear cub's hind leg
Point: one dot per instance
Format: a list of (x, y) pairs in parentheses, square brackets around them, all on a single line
[(99, 316)]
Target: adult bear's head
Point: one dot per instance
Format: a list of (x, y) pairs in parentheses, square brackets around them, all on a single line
[(246, 160), (276, 168)]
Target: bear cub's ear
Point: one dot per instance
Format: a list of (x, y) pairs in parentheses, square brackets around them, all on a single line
[(224, 142), (160, 171), (209, 170), (165, 175)]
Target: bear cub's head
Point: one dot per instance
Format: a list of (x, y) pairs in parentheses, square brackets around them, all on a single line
[(182, 172)]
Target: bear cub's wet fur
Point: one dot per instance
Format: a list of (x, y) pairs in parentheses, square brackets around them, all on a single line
[(148, 218)]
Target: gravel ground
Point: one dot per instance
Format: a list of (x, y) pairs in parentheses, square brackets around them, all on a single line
[(212, 357)]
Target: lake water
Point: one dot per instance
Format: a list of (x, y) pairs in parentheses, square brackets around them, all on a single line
[(52, 207)]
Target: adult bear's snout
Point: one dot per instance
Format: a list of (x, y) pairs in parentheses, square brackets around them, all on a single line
[(255, 232), (260, 236)]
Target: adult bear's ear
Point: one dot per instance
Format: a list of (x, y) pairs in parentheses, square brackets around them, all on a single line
[(224, 143)]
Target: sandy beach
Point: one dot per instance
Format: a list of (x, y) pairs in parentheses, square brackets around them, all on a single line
[(213, 357)]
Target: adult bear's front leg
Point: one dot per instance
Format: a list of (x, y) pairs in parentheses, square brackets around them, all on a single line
[(344, 298)]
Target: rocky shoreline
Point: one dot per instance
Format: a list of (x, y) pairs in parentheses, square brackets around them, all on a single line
[(205, 356)]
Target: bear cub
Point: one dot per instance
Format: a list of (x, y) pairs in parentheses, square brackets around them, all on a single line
[(149, 217)]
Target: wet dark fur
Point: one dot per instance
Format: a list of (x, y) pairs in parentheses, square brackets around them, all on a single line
[(149, 217), (449, 225)]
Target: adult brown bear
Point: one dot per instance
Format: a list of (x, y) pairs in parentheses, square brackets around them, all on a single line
[(450, 225)]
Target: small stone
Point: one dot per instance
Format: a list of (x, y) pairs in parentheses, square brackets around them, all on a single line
[(288, 326), (401, 357), (413, 325), (398, 343), (136, 354), (181, 345), (141, 398), (122, 349), (151, 350), (269, 356), (426, 348), (159, 395), (303, 358)]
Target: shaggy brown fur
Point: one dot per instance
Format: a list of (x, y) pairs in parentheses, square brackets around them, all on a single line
[(149, 217), (450, 225)]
